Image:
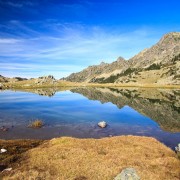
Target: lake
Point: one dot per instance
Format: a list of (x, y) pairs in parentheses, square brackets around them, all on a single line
[(75, 112)]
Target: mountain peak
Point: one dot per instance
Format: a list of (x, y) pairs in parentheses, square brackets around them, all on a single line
[(172, 34), (170, 37), (102, 63), (119, 59)]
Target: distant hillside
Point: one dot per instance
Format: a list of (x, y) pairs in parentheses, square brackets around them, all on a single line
[(14, 79), (159, 64)]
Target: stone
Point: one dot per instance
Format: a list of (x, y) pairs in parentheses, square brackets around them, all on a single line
[(178, 148), (102, 124), (127, 174), (3, 150), (8, 169), (4, 129)]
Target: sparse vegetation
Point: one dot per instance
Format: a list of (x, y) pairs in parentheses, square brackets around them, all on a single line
[(113, 78), (176, 58), (153, 67), (36, 124), (128, 71)]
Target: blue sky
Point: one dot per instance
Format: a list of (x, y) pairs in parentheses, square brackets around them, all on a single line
[(59, 37)]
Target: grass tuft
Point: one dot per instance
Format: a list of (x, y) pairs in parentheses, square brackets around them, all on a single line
[(36, 124), (102, 152), (80, 178)]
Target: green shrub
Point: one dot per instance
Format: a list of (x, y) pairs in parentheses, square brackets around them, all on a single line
[(113, 78), (154, 67), (176, 58)]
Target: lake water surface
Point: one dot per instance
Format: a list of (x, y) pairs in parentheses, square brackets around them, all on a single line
[(76, 112)]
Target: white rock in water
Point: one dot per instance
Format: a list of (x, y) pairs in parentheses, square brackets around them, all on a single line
[(102, 124), (3, 150)]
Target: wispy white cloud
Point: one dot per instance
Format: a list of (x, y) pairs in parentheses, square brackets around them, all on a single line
[(19, 66), (8, 41), (68, 48), (36, 70)]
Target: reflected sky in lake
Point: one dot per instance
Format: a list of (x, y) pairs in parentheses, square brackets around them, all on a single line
[(76, 113)]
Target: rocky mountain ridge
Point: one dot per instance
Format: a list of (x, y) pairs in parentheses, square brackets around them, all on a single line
[(159, 64), (90, 73)]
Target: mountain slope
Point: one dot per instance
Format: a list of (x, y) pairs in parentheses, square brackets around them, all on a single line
[(159, 64)]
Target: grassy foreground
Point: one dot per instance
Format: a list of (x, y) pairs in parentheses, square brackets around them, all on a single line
[(96, 159)]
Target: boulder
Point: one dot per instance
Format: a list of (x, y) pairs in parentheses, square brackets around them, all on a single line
[(177, 148), (102, 124), (127, 174)]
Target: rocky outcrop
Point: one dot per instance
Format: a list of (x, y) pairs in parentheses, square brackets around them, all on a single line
[(50, 80), (159, 64), (44, 81)]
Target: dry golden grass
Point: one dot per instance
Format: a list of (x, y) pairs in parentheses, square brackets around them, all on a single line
[(98, 159), (36, 124), (60, 83), (15, 149), (30, 84)]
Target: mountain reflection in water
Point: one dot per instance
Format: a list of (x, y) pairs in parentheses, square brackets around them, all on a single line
[(162, 105), (76, 112)]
